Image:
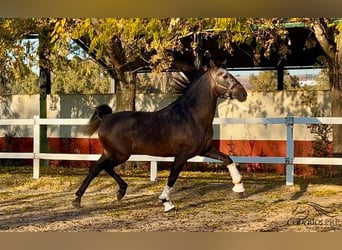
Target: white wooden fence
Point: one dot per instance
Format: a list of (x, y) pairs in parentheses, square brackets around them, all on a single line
[(289, 160)]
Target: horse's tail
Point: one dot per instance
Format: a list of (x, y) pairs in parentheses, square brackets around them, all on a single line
[(95, 120)]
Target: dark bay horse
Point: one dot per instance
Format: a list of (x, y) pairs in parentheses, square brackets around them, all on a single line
[(181, 130)]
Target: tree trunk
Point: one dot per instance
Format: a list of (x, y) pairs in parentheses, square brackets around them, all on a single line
[(336, 94), (331, 43), (44, 87), (336, 110), (125, 101), (336, 103), (125, 94)]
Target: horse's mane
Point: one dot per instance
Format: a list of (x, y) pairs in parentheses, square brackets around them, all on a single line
[(181, 83)]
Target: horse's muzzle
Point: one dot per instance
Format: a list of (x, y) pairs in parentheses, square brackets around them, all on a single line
[(238, 93)]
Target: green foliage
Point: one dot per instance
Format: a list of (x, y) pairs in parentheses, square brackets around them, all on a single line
[(127, 44), (17, 54), (151, 41), (291, 82), (82, 76), (322, 80), (265, 81), (28, 84)]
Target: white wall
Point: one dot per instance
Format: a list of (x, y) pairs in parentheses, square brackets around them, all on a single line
[(258, 104), (269, 104)]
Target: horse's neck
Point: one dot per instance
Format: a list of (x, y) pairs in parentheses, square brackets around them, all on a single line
[(201, 101)]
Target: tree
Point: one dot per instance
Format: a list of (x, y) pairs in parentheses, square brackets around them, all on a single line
[(322, 80), (291, 82), (26, 43), (129, 44), (79, 76), (267, 81), (329, 35), (15, 55), (27, 84)]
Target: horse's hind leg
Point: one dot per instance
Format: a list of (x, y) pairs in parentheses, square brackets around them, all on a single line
[(93, 172), (122, 184)]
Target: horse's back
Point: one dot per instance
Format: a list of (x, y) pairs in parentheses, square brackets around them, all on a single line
[(152, 133), (128, 132)]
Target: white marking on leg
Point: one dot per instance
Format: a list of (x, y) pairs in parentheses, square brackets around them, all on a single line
[(168, 206), (238, 188), (236, 177), (165, 195), (234, 173)]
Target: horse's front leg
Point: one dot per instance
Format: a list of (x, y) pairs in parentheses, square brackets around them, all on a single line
[(236, 178), (165, 196), (234, 172), (166, 199)]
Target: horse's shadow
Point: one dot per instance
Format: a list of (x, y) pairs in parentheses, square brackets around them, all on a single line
[(211, 191)]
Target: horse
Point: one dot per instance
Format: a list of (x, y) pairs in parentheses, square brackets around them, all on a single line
[(182, 130)]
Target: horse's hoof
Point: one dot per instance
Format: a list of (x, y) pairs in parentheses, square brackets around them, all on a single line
[(168, 206), (120, 195), (240, 195), (76, 203), (238, 188)]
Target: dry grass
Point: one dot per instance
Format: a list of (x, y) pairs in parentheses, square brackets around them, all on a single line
[(204, 202)]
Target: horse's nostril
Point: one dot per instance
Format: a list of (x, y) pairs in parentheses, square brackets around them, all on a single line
[(243, 97)]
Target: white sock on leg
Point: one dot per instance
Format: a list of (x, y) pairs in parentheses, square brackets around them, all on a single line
[(236, 177), (234, 173), (165, 195)]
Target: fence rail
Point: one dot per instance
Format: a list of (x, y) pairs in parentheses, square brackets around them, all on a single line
[(289, 160)]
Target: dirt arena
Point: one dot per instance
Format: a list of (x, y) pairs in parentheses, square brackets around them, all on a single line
[(204, 203)]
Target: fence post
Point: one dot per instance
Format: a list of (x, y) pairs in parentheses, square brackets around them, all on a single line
[(289, 121), (36, 147), (153, 171)]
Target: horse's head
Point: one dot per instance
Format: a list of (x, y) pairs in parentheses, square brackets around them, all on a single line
[(225, 85)]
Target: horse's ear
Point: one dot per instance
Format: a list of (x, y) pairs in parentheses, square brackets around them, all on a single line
[(212, 64), (224, 64)]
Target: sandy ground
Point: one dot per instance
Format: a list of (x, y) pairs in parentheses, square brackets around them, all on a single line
[(204, 203)]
